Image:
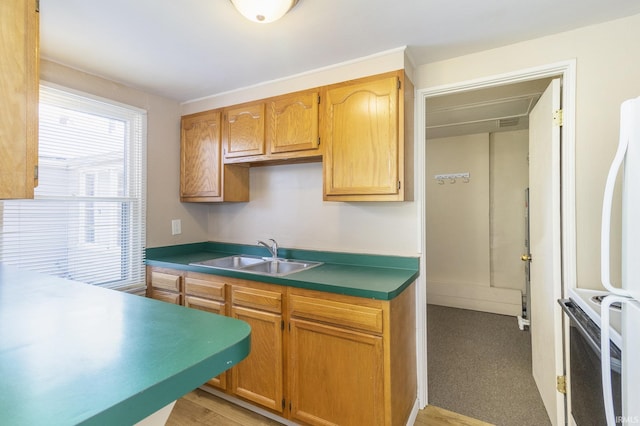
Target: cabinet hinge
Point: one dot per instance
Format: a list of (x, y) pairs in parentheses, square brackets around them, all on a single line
[(38, 6), (557, 117), (283, 404), (35, 172), (282, 325), (399, 185), (399, 84), (561, 384), (318, 140), (318, 99)]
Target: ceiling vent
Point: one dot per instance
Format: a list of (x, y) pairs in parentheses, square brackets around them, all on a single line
[(508, 122)]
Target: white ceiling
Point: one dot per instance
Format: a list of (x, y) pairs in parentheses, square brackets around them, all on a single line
[(188, 49), (495, 109)]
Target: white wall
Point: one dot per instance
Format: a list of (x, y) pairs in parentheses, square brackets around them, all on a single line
[(508, 179), (458, 213), (608, 61), (475, 230)]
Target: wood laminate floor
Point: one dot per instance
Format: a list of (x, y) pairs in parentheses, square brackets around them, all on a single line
[(202, 408)]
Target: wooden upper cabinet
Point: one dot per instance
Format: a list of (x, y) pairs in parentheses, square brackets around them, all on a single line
[(292, 123), (200, 160), (244, 130), (19, 61), (363, 133), (203, 177)]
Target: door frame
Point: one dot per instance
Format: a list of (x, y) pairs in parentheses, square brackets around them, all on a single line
[(566, 70)]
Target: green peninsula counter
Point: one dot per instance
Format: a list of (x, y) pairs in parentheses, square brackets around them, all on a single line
[(72, 353)]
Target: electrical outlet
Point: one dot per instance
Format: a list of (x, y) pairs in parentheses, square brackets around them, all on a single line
[(176, 227)]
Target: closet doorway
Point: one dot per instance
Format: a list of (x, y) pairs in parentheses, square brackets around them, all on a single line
[(475, 207), (477, 176)]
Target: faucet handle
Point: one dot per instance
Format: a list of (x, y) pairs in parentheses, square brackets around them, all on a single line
[(274, 247)]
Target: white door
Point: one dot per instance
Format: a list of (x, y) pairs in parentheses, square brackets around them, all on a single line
[(546, 278)]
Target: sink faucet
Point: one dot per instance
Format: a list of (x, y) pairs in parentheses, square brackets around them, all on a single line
[(273, 248)]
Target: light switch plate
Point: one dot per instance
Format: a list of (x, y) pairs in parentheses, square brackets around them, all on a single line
[(176, 227)]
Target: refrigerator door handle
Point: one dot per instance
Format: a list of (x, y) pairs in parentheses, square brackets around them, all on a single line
[(626, 117), (605, 356)]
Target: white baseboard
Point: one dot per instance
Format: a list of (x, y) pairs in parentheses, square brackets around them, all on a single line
[(414, 413), (502, 301)]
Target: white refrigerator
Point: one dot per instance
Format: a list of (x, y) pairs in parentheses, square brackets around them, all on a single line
[(628, 291)]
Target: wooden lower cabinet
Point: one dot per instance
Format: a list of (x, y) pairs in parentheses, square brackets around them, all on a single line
[(337, 375), (207, 293), (316, 358), (259, 377), (351, 360), (164, 284)]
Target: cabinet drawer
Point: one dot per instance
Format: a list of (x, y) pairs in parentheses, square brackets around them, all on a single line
[(204, 288), (165, 281), (204, 305), (338, 313), (264, 300), (166, 296)]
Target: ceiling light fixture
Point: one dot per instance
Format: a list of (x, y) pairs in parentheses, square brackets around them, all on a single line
[(263, 11)]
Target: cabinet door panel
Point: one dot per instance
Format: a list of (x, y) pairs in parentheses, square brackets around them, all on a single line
[(244, 130), (200, 165), (258, 378), (19, 21), (362, 139), (293, 123), (336, 375), (215, 307)]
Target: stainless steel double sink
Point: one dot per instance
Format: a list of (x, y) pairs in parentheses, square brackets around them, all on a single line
[(258, 265)]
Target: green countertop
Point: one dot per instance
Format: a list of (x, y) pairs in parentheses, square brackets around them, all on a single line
[(370, 276), (73, 353)]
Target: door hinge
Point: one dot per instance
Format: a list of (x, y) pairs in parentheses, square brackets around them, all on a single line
[(557, 117), (561, 384)]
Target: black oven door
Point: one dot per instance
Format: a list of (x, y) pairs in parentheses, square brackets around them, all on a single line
[(587, 404)]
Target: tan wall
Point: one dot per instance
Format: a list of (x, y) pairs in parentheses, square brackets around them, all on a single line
[(458, 213), (608, 60), (475, 230), (509, 177), (163, 149)]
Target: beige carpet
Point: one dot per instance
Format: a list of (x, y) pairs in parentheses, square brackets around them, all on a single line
[(480, 366)]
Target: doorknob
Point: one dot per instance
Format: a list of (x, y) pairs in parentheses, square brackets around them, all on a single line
[(526, 258)]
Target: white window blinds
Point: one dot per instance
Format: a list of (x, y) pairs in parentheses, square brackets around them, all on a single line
[(87, 221)]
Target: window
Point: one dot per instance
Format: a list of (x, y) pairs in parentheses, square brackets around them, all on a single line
[(86, 222)]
